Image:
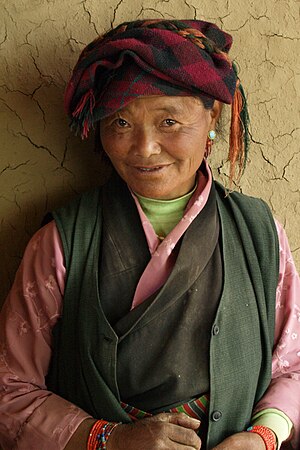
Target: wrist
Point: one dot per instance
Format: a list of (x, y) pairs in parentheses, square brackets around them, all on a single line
[(267, 435), (99, 434)]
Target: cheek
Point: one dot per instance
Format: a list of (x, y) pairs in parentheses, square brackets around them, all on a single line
[(189, 146), (112, 145)]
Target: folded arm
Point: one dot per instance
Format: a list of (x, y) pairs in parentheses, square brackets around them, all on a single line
[(30, 415), (283, 393)]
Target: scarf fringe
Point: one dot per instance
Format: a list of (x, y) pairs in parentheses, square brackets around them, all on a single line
[(83, 114), (239, 140)]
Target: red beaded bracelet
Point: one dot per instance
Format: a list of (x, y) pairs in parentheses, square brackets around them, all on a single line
[(99, 434), (96, 429), (267, 435)]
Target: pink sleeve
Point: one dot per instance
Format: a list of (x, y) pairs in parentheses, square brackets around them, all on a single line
[(30, 416), (284, 390)]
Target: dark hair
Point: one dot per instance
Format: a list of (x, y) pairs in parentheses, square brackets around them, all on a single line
[(208, 102)]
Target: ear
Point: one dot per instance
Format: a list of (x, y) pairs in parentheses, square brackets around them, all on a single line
[(215, 113)]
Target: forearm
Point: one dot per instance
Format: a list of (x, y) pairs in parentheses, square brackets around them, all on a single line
[(79, 439), (38, 419), (283, 395)]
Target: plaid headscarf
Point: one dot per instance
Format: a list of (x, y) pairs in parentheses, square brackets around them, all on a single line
[(153, 57)]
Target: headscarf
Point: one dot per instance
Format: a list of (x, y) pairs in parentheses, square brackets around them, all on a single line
[(157, 57)]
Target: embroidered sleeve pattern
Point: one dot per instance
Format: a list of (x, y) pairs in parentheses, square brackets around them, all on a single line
[(284, 391), (31, 416)]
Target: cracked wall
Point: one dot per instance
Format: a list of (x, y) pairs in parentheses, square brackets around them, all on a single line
[(42, 165)]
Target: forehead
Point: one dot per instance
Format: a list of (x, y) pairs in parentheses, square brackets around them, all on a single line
[(158, 103)]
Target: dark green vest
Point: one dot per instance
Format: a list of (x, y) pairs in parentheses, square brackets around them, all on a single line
[(84, 363)]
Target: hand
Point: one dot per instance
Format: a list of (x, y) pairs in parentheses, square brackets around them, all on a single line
[(242, 441), (166, 431)]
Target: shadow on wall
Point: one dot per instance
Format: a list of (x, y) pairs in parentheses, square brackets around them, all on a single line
[(42, 164)]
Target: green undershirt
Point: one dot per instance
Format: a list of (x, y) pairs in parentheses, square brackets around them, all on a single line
[(164, 216)]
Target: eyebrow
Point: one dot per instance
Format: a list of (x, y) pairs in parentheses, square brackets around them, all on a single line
[(170, 109)]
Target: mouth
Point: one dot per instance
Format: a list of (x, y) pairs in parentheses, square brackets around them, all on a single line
[(151, 169)]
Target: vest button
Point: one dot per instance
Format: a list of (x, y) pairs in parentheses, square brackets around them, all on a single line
[(216, 330), (216, 416)]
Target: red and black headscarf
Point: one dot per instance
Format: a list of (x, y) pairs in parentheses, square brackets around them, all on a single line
[(157, 57)]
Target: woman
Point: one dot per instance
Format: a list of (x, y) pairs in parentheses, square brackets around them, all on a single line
[(158, 294)]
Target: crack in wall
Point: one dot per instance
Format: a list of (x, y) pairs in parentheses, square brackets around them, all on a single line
[(65, 151), (14, 201), (10, 16), (233, 30), (9, 167), (42, 111), (288, 164), (112, 23), (263, 102), (5, 37), (290, 134), (282, 36), (263, 16), (193, 8), (254, 140), (222, 18), (47, 77), (90, 17), (30, 95), (36, 28), (42, 147), (269, 61), (72, 39), (266, 159), (13, 111), (150, 9)]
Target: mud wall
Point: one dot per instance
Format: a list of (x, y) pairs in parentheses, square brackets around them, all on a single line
[(42, 165)]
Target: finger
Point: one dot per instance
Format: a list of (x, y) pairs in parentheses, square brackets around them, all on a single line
[(184, 436), (242, 441), (184, 447), (183, 420)]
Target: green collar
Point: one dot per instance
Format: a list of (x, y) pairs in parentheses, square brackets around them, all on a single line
[(164, 214)]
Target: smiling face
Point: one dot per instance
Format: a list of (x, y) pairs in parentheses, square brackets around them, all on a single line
[(157, 144)]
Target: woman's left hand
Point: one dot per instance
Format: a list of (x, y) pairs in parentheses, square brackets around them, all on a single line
[(242, 441)]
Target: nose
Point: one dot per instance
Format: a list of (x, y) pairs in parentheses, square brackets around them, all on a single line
[(146, 143)]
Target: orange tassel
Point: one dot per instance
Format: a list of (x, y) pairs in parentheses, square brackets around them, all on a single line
[(236, 140)]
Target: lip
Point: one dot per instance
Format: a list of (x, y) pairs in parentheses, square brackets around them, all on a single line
[(150, 169)]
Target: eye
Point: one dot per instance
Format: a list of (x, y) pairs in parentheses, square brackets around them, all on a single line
[(122, 123), (169, 122)]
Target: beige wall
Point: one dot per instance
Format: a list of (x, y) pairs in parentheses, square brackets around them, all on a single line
[(42, 165)]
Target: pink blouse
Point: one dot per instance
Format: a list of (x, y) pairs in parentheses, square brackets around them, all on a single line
[(33, 417)]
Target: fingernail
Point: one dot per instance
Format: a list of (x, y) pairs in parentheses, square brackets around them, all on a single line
[(196, 420)]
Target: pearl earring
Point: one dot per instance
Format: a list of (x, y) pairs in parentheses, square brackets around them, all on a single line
[(209, 143), (212, 135)]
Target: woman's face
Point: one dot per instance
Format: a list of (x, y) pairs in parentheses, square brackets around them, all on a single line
[(157, 144)]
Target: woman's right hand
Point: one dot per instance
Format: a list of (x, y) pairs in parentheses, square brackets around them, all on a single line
[(166, 431)]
